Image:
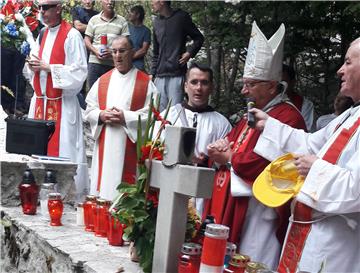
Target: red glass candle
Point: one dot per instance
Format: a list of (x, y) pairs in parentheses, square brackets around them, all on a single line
[(115, 233), (189, 258), (238, 263), (102, 218), (29, 193), (214, 248), (89, 207), (56, 207)]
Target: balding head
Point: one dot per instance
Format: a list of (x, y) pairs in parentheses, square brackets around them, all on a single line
[(122, 53), (349, 72)]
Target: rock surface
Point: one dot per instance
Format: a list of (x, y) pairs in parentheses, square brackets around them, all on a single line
[(30, 244)]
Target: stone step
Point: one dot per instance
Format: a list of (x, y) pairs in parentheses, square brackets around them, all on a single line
[(30, 244)]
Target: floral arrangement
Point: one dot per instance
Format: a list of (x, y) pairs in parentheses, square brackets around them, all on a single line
[(18, 20), (136, 205)]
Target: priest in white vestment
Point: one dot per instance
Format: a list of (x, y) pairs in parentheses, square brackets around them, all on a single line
[(57, 69), (113, 118), (329, 161), (196, 112)]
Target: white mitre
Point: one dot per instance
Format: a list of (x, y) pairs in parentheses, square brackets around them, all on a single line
[(264, 57)]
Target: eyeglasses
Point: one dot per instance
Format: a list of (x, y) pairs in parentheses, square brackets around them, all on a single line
[(252, 84), (46, 7), (121, 51)]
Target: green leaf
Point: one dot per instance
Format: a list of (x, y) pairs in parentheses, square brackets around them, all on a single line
[(140, 216), (139, 143), (129, 202)]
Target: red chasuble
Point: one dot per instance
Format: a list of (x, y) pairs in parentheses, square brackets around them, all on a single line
[(52, 95), (137, 102), (231, 211), (298, 233)]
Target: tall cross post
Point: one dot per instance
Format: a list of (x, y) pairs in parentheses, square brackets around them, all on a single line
[(177, 181)]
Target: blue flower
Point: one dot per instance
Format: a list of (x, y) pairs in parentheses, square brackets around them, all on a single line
[(25, 48), (11, 29)]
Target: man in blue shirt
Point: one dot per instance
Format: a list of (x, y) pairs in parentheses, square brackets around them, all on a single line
[(140, 35)]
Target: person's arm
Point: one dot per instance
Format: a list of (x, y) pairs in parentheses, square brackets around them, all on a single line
[(92, 111), (333, 188), (194, 33), (155, 57), (141, 52), (79, 26)]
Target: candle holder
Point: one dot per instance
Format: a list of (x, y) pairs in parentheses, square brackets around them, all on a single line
[(29, 193), (115, 233), (89, 212), (56, 207)]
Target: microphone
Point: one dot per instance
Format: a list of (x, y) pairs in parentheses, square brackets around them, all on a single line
[(250, 103)]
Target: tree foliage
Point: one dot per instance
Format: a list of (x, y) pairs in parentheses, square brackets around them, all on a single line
[(318, 34)]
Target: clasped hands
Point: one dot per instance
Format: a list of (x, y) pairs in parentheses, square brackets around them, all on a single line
[(112, 116), (221, 151)]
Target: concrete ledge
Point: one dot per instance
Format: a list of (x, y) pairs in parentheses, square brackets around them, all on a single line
[(30, 244)]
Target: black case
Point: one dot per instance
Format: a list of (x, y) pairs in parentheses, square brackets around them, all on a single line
[(28, 136)]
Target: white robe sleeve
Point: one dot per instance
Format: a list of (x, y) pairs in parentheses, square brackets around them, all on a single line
[(131, 117), (332, 188), (92, 111), (278, 139), (71, 76)]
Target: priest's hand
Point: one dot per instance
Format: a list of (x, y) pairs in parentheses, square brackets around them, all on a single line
[(105, 116), (117, 116), (260, 118), (303, 163), (37, 64)]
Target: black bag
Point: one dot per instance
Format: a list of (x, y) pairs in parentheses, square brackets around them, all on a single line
[(28, 136)]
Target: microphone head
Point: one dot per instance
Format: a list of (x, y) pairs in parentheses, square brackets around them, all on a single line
[(250, 103)]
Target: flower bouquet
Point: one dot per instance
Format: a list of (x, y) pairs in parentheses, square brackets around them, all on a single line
[(136, 204), (18, 20)]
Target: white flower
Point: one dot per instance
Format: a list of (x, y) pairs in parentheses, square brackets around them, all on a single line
[(2, 16), (19, 17), (22, 30)]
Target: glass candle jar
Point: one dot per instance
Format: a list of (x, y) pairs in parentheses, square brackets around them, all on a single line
[(238, 263), (115, 233), (45, 189), (80, 214), (89, 207), (189, 258), (254, 267), (56, 207), (29, 193), (230, 251), (102, 218)]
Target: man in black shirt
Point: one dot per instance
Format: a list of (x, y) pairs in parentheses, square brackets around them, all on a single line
[(171, 28), (82, 14)]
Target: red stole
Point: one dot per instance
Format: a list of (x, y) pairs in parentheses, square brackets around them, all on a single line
[(222, 178), (53, 95), (298, 233), (137, 102)]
